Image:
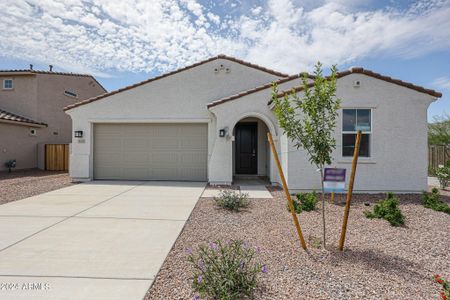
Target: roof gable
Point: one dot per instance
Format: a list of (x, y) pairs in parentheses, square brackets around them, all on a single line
[(241, 62), (359, 70)]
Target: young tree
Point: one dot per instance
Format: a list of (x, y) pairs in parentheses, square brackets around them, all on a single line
[(310, 121), (439, 130)]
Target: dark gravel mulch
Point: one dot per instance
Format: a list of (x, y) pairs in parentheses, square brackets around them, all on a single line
[(20, 184), (379, 261)]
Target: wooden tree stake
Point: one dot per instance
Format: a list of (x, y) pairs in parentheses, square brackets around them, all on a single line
[(286, 191), (350, 190)]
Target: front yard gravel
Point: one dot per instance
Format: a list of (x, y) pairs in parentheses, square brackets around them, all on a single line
[(379, 261), (21, 184)]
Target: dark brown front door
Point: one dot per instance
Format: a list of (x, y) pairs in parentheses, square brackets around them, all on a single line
[(246, 146)]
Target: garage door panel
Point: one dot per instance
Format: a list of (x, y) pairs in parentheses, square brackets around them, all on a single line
[(135, 143), (150, 151), (109, 159), (164, 143), (135, 172), (164, 159), (136, 159)]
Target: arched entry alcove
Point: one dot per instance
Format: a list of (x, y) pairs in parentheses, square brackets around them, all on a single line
[(251, 154)]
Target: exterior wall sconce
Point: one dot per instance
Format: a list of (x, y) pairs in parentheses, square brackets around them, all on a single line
[(222, 132), (78, 133)]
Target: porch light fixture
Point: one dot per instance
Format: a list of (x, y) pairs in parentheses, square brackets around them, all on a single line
[(222, 132), (78, 133)]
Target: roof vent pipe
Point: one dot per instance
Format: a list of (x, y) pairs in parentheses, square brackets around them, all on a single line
[(51, 68), (31, 66)]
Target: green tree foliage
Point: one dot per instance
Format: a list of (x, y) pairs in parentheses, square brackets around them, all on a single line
[(309, 121), (439, 131)]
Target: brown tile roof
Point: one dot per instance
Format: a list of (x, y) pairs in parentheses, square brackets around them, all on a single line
[(254, 90), (8, 117), (32, 72), (174, 72), (43, 72), (359, 70)]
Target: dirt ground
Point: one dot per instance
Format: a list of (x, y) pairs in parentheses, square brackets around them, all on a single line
[(20, 184), (379, 261)]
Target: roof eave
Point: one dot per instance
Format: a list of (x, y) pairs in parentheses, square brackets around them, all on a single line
[(27, 124)]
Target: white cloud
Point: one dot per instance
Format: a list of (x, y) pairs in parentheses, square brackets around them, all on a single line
[(442, 82), (101, 36)]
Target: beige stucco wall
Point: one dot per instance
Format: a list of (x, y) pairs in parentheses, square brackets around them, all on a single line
[(39, 97), (16, 143), (181, 97), (22, 99), (399, 152)]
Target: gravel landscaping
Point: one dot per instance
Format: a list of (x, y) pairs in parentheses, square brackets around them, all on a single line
[(21, 184), (379, 262)]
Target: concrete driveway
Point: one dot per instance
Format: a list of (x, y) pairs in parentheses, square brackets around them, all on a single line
[(97, 240)]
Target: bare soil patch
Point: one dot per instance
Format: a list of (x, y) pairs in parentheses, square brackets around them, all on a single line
[(21, 184), (379, 262)]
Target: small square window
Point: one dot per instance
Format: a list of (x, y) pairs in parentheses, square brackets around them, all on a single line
[(7, 84)]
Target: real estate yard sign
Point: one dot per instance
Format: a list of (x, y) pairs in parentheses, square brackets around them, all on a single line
[(334, 180)]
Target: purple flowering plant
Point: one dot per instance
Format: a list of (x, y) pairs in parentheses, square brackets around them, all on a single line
[(228, 270)]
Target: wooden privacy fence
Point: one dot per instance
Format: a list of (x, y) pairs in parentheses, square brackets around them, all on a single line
[(57, 157), (437, 155)]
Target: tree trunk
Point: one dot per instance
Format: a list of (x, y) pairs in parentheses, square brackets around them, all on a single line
[(323, 209)]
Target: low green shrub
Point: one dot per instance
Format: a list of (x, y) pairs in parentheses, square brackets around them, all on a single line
[(432, 200), (443, 175), (232, 200), (304, 202), (225, 271), (387, 209)]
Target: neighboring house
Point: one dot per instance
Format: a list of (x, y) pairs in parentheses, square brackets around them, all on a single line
[(31, 111), (209, 122)]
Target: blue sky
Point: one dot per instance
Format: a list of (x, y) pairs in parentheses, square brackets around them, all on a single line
[(122, 42)]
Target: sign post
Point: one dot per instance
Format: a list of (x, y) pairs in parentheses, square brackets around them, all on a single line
[(286, 191), (350, 190)]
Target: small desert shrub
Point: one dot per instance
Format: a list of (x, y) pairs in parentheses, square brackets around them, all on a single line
[(445, 293), (225, 271), (443, 175), (232, 200), (431, 200), (304, 202), (387, 209)]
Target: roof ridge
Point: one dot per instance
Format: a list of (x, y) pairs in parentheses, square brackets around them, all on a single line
[(361, 70), (45, 72), (9, 116), (220, 56), (256, 89)]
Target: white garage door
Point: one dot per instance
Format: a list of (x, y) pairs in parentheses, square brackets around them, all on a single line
[(150, 151)]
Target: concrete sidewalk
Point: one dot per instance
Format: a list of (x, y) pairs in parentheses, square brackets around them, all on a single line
[(98, 240)]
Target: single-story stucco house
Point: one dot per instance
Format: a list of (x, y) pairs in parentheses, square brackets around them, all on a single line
[(209, 122)]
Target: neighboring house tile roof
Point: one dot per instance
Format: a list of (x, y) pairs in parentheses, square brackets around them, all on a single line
[(32, 72), (359, 70), (273, 72), (7, 117), (256, 89)]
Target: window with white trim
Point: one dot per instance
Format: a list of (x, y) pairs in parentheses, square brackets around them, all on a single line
[(352, 121), (7, 84)]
